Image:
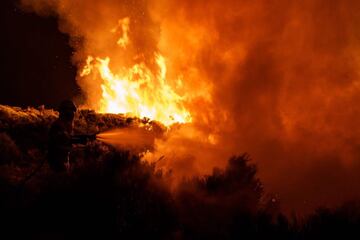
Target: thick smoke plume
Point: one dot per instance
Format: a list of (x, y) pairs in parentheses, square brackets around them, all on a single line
[(276, 79)]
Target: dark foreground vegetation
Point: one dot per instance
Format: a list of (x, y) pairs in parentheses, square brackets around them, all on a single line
[(111, 194)]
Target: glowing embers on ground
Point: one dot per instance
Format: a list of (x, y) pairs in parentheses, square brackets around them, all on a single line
[(138, 91)]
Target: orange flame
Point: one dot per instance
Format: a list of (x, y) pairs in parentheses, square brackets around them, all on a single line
[(137, 90), (124, 25)]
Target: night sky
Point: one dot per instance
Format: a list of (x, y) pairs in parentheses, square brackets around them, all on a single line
[(36, 64)]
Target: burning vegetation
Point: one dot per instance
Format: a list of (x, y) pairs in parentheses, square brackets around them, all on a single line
[(110, 192), (176, 89), (277, 79)]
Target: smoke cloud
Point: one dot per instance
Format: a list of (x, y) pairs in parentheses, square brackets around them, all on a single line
[(277, 79)]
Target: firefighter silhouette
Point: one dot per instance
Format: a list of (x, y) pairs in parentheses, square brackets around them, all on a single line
[(60, 137)]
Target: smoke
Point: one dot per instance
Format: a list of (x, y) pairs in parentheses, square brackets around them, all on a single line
[(277, 79)]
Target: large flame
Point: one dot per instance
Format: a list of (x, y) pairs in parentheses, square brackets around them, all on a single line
[(277, 79), (137, 90)]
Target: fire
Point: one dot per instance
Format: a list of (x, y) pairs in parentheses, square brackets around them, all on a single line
[(124, 26), (137, 90), (277, 79)]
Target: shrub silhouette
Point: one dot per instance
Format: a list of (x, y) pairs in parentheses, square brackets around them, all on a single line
[(112, 194)]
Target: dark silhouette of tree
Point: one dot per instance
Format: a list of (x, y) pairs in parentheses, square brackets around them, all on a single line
[(220, 204), (112, 194)]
